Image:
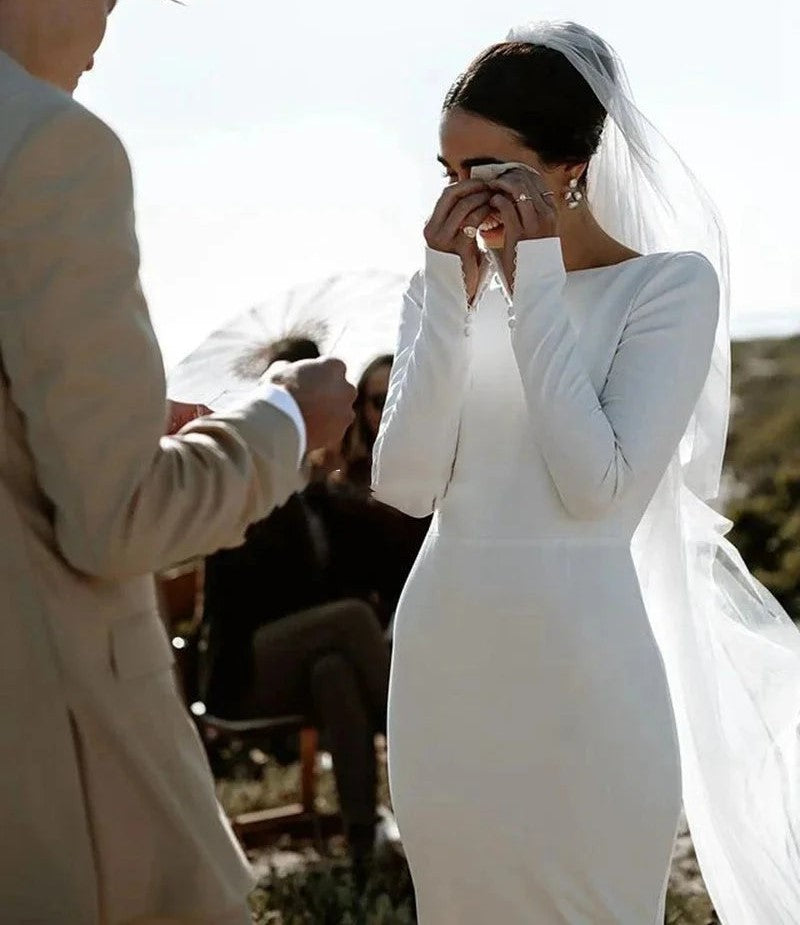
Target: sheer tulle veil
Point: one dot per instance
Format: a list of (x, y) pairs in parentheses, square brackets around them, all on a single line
[(732, 655)]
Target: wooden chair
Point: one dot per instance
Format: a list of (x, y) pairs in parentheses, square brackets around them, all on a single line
[(180, 592), (261, 827)]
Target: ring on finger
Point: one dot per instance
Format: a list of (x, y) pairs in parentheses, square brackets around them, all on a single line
[(524, 197), (470, 231)]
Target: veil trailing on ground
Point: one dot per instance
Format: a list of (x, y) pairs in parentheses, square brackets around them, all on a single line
[(732, 655)]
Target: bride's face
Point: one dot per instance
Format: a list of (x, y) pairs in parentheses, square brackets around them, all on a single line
[(467, 141)]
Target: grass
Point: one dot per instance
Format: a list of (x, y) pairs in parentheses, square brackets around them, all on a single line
[(298, 886), (324, 893)]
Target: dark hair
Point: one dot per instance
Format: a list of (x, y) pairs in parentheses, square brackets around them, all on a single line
[(384, 361), (292, 349), (538, 94), (254, 363), (358, 441)]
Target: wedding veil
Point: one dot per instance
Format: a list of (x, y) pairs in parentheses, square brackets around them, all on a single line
[(731, 654)]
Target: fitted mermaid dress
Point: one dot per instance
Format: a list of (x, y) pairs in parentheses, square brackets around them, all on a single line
[(533, 758)]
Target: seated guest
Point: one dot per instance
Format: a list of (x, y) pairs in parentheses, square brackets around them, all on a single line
[(374, 560), (372, 547), (292, 644), (360, 437)]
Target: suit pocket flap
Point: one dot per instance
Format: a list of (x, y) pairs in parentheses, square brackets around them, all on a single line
[(139, 646)]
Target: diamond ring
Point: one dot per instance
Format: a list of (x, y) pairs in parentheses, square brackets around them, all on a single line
[(470, 231)]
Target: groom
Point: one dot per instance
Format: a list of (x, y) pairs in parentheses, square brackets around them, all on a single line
[(107, 808)]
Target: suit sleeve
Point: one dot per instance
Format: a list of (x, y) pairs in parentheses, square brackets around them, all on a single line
[(85, 372), (598, 447), (416, 445)]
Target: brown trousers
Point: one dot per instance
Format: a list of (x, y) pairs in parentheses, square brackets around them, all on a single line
[(330, 661)]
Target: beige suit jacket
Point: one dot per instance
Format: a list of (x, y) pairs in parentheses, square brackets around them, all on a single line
[(107, 809)]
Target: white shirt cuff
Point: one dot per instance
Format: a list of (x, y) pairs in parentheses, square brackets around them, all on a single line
[(279, 398)]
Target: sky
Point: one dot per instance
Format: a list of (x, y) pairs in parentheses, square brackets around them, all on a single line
[(276, 143)]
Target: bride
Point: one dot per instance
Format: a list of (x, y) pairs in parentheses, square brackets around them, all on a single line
[(578, 648)]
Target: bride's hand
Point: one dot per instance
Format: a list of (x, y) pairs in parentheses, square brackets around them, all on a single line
[(463, 205), (527, 210)]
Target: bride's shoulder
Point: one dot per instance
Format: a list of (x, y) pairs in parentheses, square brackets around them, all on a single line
[(678, 265), (678, 282)]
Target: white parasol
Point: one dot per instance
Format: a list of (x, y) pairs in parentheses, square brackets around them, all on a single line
[(353, 316)]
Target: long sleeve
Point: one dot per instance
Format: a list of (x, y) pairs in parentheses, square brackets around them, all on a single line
[(416, 445), (86, 375), (598, 447), (279, 398)]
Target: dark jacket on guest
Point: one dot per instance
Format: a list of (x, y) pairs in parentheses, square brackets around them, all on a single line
[(283, 567), (373, 546), (326, 544)]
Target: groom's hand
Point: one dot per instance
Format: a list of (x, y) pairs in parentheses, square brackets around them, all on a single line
[(179, 414), (324, 396)]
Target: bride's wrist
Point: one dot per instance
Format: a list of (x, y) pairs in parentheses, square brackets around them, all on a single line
[(446, 284)]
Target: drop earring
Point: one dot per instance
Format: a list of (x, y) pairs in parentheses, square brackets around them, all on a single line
[(573, 196)]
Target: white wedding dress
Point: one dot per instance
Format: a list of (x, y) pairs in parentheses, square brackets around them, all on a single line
[(534, 763)]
